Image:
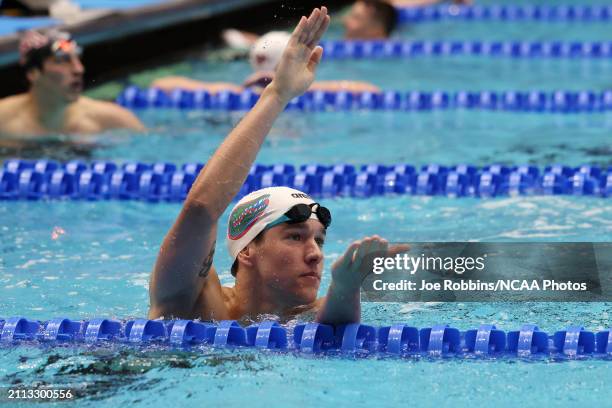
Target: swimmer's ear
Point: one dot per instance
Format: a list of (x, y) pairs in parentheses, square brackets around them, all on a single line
[(33, 74), (246, 255)]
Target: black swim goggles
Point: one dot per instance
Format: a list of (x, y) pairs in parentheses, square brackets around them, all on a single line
[(302, 212)]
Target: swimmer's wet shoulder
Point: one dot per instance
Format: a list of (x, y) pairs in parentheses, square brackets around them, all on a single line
[(13, 114), (107, 115)]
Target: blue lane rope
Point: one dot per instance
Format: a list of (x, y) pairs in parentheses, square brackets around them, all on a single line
[(354, 339), (339, 49), (100, 180), (518, 12), (412, 101)]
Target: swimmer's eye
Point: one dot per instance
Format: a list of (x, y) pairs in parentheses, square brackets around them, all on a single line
[(320, 242), (295, 237), (62, 59)]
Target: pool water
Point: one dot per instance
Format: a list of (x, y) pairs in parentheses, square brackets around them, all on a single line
[(98, 263), (88, 259), (446, 138), (505, 31), (93, 259)]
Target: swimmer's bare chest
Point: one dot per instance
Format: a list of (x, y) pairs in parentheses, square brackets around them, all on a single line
[(216, 302), (26, 124)]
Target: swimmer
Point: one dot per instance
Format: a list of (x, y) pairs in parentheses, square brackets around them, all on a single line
[(54, 103), (264, 57), (366, 20), (275, 235), (370, 20)]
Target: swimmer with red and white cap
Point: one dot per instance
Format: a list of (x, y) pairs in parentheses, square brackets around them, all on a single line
[(275, 235), (54, 103)]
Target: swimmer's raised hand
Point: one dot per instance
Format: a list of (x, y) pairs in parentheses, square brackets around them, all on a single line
[(296, 69), (343, 303), (349, 271)]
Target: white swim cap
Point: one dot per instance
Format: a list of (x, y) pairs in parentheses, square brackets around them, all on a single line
[(267, 50), (255, 211)]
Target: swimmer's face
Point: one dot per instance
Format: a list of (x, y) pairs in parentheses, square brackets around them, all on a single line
[(361, 24), (289, 260), (61, 75)]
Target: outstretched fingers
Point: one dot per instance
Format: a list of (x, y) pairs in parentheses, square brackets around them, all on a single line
[(310, 29), (370, 246), (397, 249), (349, 255), (320, 28), (298, 32), (315, 20), (301, 32)]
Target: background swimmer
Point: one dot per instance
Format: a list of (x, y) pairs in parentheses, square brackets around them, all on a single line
[(370, 20), (54, 103), (275, 235), (264, 57), (365, 20)]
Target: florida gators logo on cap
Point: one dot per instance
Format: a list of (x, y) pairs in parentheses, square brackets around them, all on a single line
[(246, 215)]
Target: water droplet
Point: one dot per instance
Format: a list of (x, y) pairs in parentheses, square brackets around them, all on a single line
[(57, 232)]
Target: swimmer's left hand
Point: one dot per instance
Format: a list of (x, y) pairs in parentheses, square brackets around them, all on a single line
[(349, 271)]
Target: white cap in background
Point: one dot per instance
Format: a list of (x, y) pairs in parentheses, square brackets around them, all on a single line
[(267, 50)]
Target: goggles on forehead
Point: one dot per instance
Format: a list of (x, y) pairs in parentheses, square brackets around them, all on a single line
[(302, 212), (65, 47)]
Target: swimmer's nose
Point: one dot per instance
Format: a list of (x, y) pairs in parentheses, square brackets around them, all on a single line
[(77, 66), (314, 254)]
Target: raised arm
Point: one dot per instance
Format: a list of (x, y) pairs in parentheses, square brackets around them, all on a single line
[(184, 282)]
